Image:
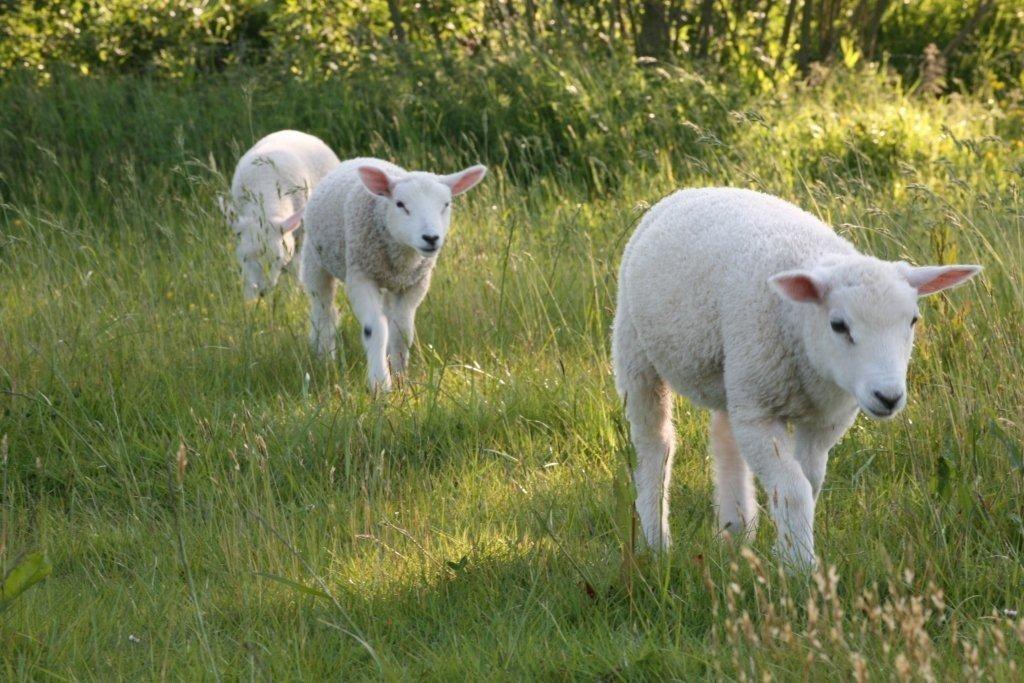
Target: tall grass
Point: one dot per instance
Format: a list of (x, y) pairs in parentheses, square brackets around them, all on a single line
[(470, 522)]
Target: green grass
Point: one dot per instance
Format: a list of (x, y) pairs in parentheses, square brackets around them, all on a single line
[(471, 523)]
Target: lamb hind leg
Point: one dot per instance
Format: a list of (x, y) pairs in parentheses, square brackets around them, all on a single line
[(734, 483), (649, 411), (321, 286)]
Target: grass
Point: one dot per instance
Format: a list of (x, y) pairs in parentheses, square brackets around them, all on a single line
[(217, 503)]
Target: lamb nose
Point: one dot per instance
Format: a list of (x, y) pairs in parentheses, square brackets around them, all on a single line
[(888, 401), (431, 239)]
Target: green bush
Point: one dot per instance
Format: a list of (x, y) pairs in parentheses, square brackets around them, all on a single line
[(315, 39)]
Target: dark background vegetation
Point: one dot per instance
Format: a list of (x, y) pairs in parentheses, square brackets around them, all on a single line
[(974, 40), (487, 79)]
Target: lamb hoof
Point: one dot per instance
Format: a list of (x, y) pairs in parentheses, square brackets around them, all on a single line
[(324, 352), (737, 533), (797, 564), (380, 386)]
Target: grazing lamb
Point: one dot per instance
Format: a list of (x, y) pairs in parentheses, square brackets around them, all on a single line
[(756, 310), (268, 192), (378, 228)]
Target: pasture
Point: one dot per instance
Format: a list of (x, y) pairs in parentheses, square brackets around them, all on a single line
[(217, 503)]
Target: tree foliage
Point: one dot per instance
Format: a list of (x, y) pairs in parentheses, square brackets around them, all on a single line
[(978, 40)]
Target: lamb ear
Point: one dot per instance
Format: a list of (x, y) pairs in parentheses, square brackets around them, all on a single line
[(376, 181), (292, 222), (465, 179), (931, 279), (801, 286)]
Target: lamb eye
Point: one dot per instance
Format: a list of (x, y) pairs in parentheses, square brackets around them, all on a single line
[(400, 205), (839, 327), (447, 204)]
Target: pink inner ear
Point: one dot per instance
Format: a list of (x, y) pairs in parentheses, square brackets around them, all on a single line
[(467, 179), (799, 287), (945, 279), (375, 180), (292, 222)]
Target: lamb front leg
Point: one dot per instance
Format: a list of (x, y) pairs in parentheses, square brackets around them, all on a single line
[(814, 440), (368, 307), (402, 319), (768, 449)]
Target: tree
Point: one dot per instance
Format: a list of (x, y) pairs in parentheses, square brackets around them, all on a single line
[(653, 40), (397, 27)]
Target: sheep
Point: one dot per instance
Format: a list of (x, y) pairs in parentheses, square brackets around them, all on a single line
[(758, 311), (378, 228), (268, 192)]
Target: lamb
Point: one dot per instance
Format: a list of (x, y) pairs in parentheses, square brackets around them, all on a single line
[(378, 228), (268, 192), (755, 309)]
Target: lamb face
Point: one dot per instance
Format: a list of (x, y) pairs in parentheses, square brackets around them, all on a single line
[(264, 248), (418, 211), (858, 319)]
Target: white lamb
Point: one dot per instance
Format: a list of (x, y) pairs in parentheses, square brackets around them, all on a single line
[(268, 192), (757, 310), (378, 228)]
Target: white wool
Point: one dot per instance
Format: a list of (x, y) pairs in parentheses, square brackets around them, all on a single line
[(271, 184), (379, 229), (755, 309)]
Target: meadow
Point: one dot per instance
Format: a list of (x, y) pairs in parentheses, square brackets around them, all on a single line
[(217, 503)]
